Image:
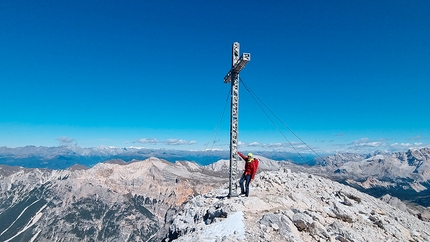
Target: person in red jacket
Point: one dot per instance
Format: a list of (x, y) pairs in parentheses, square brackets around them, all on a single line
[(251, 166)]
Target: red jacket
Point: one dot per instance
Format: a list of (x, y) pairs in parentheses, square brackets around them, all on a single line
[(250, 166)]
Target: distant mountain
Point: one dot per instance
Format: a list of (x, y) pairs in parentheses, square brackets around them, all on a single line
[(62, 157), (412, 164), (405, 175), (265, 164)]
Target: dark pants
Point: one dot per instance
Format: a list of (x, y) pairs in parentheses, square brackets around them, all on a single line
[(247, 179)]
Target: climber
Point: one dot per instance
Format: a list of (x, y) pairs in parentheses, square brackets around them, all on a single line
[(251, 166)]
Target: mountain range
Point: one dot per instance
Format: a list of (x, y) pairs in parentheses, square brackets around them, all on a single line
[(158, 200), (405, 175), (112, 201), (62, 157), (402, 174)]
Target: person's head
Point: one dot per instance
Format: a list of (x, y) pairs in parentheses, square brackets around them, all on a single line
[(249, 156)]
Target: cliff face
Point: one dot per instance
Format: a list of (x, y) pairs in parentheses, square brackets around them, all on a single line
[(109, 202), (405, 175), (412, 164), (288, 206)]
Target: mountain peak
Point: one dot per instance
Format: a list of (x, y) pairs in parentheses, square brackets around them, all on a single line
[(287, 206)]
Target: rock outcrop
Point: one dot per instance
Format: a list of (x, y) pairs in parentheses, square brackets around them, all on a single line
[(412, 164), (405, 175), (288, 206)]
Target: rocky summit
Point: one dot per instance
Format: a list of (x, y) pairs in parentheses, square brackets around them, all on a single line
[(287, 206)]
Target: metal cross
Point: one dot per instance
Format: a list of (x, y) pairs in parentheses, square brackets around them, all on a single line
[(238, 63)]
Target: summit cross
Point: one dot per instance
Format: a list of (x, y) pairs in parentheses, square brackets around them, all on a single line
[(238, 63)]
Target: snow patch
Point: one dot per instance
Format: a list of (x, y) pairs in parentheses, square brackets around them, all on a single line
[(193, 166), (231, 226)]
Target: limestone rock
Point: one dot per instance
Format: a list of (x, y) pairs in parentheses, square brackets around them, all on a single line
[(288, 206)]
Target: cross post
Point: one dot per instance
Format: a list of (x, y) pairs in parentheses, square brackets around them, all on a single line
[(238, 63)]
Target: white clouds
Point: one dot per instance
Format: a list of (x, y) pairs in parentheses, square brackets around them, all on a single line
[(179, 142), (274, 145), (63, 140), (403, 146), (147, 141), (365, 142), (277, 146), (254, 144), (343, 144), (418, 137), (365, 145), (166, 142)]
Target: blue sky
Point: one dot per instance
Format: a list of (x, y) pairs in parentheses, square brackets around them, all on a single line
[(343, 75)]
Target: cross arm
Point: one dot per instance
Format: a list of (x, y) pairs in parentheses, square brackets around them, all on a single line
[(240, 64)]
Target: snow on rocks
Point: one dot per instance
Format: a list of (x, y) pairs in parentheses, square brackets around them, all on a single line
[(287, 206)]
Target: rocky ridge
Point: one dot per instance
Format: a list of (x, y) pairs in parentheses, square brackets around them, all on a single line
[(412, 164), (113, 201), (289, 206), (405, 175)]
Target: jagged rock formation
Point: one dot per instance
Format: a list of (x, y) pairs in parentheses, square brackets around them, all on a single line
[(405, 175), (287, 206), (109, 202), (413, 165), (337, 160)]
